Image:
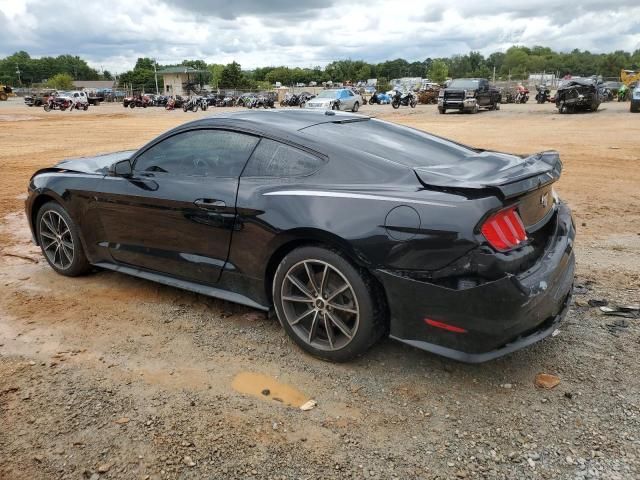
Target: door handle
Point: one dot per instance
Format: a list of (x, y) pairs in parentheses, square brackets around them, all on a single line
[(209, 204)]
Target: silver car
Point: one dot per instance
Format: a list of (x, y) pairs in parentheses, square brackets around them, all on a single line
[(339, 99)]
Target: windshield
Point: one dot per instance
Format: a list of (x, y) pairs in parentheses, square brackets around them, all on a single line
[(328, 94), (463, 83)]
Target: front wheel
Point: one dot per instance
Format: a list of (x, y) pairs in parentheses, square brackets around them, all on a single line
[(355, 108), (413, 103), (47, 107), (59, 241), (395, 104), (327, 305)]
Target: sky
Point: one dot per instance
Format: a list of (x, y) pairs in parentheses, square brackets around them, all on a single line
[(111, 35)]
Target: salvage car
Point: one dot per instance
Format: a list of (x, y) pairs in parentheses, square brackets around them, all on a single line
[(578, 95), (338, 99), (459, 251), (469, 95), (635, 100)]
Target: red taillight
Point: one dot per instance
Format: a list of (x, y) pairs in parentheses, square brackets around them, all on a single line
[(444, 326), (504, 230)]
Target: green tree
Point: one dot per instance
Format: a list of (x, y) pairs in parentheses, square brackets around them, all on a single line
[(61, 81), (216, 74), (231, 76), (438, 71)]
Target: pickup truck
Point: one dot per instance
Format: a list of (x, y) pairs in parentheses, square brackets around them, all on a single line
[(468, 95)]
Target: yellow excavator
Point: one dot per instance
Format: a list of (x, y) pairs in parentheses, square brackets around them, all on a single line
[(629, 77), (5, 92)]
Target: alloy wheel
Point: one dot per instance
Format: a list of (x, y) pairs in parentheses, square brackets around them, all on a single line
[(56, 239), (320, 305)]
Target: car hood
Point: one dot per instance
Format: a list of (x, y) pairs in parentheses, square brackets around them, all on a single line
[(511, 175), (97, 164)]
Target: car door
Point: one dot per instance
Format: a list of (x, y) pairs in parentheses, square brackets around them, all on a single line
[(346, 99), (176, 213), (484, 96)]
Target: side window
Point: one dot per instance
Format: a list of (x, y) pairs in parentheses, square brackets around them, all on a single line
[(212, 153), (274, 159)]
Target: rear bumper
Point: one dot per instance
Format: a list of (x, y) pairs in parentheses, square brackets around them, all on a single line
[(499, 316)]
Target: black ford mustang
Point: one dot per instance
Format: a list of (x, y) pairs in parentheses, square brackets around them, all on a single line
[(349, 227)]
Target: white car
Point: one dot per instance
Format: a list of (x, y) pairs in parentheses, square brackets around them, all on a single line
[(77, 97), (339, 99)]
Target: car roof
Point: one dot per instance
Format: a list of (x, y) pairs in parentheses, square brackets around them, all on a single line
[(289, 120)]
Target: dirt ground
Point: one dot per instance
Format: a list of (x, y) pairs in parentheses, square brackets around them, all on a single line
[(108, 376)]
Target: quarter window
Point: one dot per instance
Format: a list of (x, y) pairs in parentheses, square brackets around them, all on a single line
[(275, 159), (208, 153)]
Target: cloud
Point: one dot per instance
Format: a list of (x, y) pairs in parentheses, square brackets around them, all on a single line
[(255, 33), (241, 8)]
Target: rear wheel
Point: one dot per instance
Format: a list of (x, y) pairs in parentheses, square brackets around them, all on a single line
[(328, 306), (59, 241), (355, 108)]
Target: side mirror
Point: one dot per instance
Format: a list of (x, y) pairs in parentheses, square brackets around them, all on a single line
[(121, 169)]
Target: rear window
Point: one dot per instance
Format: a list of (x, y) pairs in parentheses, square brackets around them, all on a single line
[(275, 159), (397, 143)]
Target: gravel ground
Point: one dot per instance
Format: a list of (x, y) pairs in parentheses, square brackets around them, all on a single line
[(111, 377)]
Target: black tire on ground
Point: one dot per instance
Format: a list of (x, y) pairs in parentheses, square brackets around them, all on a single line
[(395, 104), (79, 264), (442, 110), (47, 107), (132, 105), (371, 318), (355, 108), (3, 97)]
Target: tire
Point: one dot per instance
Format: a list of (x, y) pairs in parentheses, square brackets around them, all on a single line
[(47, 107), (86, 107), (395, 104), (413, 103), (64, 255), (3, 97), (364, 101), (356, 107), (365, 319), (442, 110), (132, 105), (497, 106), (184, 108)]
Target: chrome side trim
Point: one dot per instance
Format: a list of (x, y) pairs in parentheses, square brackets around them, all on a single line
[(361, 196)]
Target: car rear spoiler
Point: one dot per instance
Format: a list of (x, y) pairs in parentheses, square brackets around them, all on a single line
[(507, 180)]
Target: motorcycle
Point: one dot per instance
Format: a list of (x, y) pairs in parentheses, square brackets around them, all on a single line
[(543, 94), (523, 95), (137, 101), (55, 103), (194, 103), (405, 99)]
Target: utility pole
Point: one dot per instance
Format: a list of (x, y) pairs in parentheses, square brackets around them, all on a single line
[(494, 74), (18, 73), (155, 74)]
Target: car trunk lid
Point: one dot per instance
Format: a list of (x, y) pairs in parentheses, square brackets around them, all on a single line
[(492, 172)]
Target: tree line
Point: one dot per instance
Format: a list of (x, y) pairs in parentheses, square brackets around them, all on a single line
[(515, 64)]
